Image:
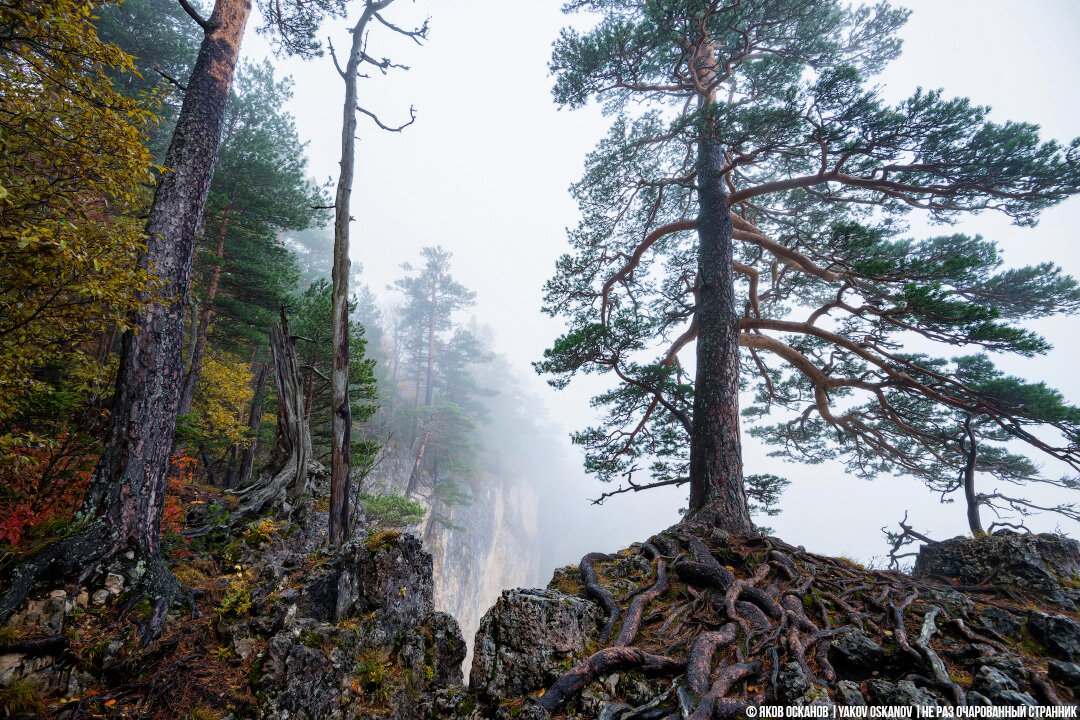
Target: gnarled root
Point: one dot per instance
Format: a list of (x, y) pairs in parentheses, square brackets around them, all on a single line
[(603, 662), (598, 593), (74, 558), (637, 607)]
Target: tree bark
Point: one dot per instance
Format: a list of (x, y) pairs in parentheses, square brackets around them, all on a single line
[(126, 494), (971, 497), (286, 482), (716, 477), (418, 465)]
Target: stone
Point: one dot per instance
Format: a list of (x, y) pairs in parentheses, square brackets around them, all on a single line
[(999, 688), (853, 650), (1058, 634), (880, 692), (114, 584), (905, 692), (908, 693), (394, 581), (1010, 665), (526, 636), (791, 683), (848, 693), (1066, 673), (1000, 621), (1040, 563), (99, 597)]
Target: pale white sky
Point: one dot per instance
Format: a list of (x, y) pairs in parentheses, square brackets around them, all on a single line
[(484, 172)]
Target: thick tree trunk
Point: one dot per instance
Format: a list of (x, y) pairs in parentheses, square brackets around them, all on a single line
[(971, 497), (126, 494), (206, 314), (716, 478)]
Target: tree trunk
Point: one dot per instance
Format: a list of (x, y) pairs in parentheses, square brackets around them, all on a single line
[(341, 423), (971, 497), (206, 313), (429, 388), (247, 458), (126, 494), (283, 487), (716, 480), (418, 465)]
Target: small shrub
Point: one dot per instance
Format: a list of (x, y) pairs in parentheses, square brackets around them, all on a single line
[(391, 510), (20, 697), (237, 601), (382, 539), (260, 533)]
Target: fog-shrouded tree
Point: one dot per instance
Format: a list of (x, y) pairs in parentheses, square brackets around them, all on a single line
[(357, 60), (438, 352), (752, 195), (122, 508)]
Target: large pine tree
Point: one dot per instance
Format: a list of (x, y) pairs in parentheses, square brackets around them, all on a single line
[(750, 196)]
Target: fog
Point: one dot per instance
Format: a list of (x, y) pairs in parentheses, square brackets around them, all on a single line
[(484, 172)]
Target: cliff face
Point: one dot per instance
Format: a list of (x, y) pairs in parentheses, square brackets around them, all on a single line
[(485, 547), (487, 541)]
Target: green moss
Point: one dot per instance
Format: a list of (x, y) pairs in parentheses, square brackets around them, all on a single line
[(8, 635), (382, 539)]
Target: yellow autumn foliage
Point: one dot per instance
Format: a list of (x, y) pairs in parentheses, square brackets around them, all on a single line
[(222, 398), (75, 176)]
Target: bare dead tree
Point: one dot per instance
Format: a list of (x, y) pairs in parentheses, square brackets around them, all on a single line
[(342, 415)]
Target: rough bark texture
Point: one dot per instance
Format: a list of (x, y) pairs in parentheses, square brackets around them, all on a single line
[(715, 448), (289, 480), (124, 500), (971, 497)]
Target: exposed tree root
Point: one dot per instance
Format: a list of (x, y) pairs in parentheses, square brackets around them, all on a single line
[(779, 607), (77, 557), (595, 591), (714, 704), (602, 662), (637, 607), (699, 666)]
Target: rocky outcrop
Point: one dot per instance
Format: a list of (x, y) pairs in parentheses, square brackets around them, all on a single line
[(526, 637), (1045, 564), (359, 638), (780, 627)]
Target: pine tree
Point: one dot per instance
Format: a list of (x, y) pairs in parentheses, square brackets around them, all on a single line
[(748, 142), (437, 353), (260, 189)]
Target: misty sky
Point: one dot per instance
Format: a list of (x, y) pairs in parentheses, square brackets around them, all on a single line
[(484, 172)]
